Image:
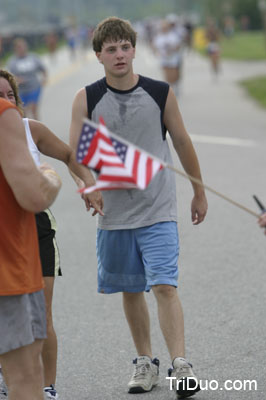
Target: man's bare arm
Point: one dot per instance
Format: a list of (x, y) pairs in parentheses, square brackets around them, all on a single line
[(187, 155)]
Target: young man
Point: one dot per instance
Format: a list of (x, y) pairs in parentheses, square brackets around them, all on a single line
[(24, 190), (137, 238)]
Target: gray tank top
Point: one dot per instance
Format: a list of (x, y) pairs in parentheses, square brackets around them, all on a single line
[(137, 116)]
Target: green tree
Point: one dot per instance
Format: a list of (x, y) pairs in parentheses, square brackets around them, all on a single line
[(236, 8), (248, 8), (214, 9)]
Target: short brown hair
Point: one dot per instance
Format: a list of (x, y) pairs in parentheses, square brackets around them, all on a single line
[(12, 82), (113, 29)]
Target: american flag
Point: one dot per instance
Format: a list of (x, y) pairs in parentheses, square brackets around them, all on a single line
[(120, 165)]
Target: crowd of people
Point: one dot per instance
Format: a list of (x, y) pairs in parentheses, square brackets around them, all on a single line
[(137, 235)]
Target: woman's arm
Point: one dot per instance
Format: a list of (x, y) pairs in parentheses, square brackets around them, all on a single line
[(50, 145)]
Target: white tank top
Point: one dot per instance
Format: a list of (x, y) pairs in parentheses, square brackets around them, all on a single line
[(31, 145)]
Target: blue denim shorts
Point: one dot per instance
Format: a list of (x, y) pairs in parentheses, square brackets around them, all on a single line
[(134, 260)]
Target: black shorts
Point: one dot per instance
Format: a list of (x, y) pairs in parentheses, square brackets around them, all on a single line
[(49, 253)]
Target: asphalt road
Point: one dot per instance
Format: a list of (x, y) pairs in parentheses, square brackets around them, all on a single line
[(222, 261)]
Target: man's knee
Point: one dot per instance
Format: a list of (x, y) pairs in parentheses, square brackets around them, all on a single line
[(164, 291)]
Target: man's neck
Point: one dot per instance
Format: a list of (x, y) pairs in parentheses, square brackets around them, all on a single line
[(122, 83)]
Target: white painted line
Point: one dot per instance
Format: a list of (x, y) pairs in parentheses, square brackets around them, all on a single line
[(228, 141)]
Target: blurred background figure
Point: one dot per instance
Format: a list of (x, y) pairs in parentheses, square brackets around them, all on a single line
[(51, 41), (212, 34), (84, 38), (188, 30), (71, 35), (30, 74), (149, 27), (244, 23), (229, 26), (168, 45)]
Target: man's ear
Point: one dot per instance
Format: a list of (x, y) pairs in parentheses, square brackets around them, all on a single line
[(98, 55)]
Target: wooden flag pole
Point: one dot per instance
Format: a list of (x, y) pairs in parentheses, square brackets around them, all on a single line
[(199, 182), (177, 171)]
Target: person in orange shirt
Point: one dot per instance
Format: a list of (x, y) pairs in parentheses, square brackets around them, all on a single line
[(42, 141), (24, 190)]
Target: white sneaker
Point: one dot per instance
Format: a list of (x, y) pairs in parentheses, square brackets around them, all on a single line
[(3, 388), (145, 375), (186, 382), (50, 393)]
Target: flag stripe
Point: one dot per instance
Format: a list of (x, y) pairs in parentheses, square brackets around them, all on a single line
[(148, 171), (135, 165), (141, 171), (91, 152)]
